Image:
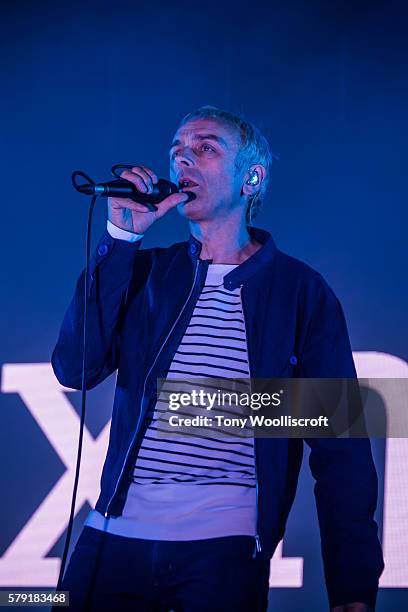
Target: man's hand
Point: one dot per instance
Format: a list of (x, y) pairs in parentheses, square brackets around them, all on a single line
[(352, 607), (134, 217)]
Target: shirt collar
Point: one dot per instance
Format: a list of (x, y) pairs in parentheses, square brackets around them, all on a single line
[(251, 265)]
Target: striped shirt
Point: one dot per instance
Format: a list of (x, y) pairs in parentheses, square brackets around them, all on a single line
[(195, 487)]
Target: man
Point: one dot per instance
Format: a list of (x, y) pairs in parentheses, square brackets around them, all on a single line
[(189, 525)]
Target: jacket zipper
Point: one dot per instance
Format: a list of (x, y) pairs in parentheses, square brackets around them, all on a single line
[(258, 546), (144, 388)]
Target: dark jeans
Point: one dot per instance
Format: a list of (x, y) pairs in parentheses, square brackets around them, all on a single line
[(109, 572)]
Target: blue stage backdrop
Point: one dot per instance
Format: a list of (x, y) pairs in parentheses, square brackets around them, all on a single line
[(85, 86)]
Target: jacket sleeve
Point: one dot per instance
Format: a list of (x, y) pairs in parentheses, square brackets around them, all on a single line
[(346, 483), (111, 271)]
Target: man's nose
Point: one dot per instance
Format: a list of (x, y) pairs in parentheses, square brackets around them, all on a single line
[(184, 157)]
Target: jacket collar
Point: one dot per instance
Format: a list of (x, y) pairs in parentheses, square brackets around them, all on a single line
[(250, 266)]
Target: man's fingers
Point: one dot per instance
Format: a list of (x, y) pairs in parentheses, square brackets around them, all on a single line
[(140, 178), (148, 171)]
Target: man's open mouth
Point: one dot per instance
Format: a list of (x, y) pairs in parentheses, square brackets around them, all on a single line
[(185, 184)]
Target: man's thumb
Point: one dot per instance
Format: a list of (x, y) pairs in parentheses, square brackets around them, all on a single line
[(170, 202)]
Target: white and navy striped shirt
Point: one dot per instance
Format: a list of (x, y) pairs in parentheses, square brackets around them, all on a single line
[(173, 494)]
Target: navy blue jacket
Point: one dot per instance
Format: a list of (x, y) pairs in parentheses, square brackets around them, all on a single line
[(140, 304)]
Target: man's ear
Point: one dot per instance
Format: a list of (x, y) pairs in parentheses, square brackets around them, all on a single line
[(253, 179)]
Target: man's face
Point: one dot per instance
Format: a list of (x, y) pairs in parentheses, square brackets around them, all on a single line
[(203, 153)]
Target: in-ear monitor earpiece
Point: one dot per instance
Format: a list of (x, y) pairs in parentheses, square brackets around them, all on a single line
[(253, 178)]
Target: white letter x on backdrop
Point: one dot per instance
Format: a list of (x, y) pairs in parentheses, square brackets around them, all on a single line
[(23, 563)]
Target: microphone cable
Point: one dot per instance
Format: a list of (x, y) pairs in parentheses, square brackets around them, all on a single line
[(83, 395)]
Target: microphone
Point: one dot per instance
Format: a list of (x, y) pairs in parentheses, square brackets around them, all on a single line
[(121, 188)]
